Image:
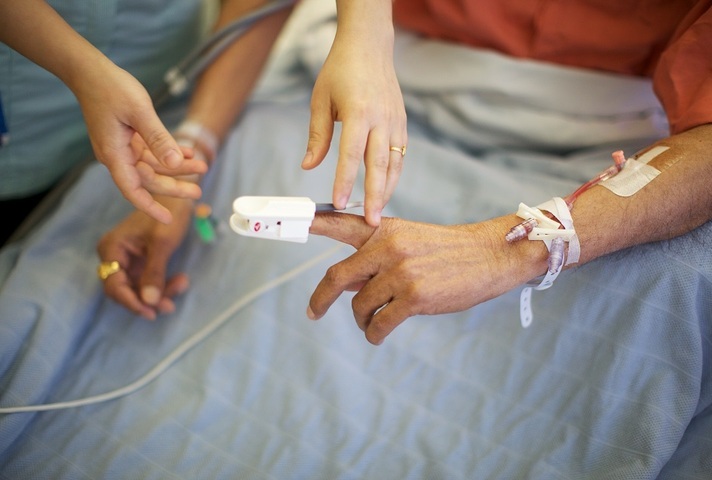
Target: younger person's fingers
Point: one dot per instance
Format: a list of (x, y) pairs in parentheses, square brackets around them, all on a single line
[(377, 162), (159, 141), (167, 185), (128, 181), (352, 147), (321, 131)]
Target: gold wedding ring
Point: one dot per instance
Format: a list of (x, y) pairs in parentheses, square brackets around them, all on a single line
[(400, 150), (107, 269)]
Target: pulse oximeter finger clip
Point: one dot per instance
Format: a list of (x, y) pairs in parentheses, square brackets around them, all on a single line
[(277, 218)]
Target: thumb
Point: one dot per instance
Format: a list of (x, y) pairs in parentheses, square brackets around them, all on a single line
[(321, 131), (344, 227), (159, 141), (153, 279)]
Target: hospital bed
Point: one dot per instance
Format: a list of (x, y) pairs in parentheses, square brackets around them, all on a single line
[(612, 379)]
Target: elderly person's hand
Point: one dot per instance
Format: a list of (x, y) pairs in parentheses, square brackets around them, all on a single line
[(405, 268), (358, 87), (142, 247)]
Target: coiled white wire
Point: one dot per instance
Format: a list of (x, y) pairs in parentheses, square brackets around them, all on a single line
[(184, 347)]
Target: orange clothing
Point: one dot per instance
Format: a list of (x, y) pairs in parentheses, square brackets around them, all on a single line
[(669, 41)]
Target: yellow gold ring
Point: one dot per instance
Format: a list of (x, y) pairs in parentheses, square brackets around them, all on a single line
[(107, 269), (400, 150)]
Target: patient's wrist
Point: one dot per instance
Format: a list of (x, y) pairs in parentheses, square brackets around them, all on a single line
[(201, 140)]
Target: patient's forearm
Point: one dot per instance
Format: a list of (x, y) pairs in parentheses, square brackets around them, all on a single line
[(223, 89), (678, 200)]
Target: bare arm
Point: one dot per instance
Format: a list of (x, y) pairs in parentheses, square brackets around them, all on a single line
[(412, 268), (143, 246), (221, 92), (115, 105), (34, 29), (677, 201), (358, 87)]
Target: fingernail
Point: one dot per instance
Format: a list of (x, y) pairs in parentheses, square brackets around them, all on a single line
[(150, 294), (375, 219), (306, 162), (172, 159), (341, 202), (310, 314)]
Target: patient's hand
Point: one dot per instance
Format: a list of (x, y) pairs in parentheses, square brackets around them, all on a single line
[(143, 247), (129, 139), (358, 86), (406, 268)]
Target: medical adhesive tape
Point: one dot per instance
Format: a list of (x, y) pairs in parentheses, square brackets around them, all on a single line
[(636, 174)]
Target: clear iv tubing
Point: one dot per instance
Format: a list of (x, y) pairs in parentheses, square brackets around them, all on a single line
[(619, 163), (521, 230), (187, 345), (177, 79)]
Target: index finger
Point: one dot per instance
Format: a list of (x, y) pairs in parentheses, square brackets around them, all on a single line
[(343, 227), (128, 180), (352, 148)]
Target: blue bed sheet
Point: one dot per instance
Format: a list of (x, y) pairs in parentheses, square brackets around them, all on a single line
[(611, 381)]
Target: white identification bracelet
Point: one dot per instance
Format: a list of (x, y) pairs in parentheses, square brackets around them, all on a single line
[(189, 133), (537, 226)]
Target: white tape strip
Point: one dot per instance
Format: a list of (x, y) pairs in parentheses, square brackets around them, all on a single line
[(635, 175), (652, 153)]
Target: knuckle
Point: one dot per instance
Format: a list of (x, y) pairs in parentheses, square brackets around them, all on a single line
[(162, 241), (156, 138), (381, 161), (333, 275), (379, 328), (416, 295), (352, 153), (377, 331), (397, 247), (396, 167), (358, 306), (315, 136)]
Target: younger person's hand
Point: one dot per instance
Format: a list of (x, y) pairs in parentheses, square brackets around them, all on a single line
[(130, 140), (358, 87)]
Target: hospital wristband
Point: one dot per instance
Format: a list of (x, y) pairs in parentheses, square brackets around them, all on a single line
[(201, 140), (195, 135), (549, 230)]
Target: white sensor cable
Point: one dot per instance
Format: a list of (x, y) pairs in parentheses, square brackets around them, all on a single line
[(190, 343)]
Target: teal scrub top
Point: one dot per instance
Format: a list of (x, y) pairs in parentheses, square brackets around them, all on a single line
[(45, 128)]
